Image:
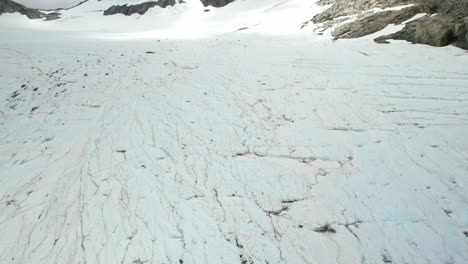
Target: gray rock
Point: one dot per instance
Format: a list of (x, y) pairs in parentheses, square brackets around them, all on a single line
[(325, 2), (52, 16), (449, 26), (8, 6), (460, 31), (376, 22), (431, 30), (141, 9), (457, 9), (216, 3), (352, 7)]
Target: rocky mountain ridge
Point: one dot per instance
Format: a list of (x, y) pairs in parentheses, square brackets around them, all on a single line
[(443, 22), (8, 6), (142, 8), (138, 8), (432, 22)]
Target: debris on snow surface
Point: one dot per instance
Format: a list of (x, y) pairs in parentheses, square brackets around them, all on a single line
[(266, 145), (188, 154)]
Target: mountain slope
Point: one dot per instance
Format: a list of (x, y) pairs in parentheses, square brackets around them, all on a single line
[(140, 9), (8, 6), (417, 20), (183, 20), (439, 23)]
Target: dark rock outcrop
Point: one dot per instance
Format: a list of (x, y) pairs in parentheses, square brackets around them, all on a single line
[(351, 7), (455, 8), (460, 32), (446, 21), (52, 16), (435, 31), (216, 3), (325, 2), (141, 9), (8, 6), (376, 22), (448, 25)]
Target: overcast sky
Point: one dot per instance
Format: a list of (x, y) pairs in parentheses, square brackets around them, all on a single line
[(48, 3)]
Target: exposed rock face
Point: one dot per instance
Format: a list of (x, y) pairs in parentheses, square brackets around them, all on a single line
[(436, 31), (216, 3), (455, 8), (326, 2), (8, 6), (52, 16), (448, 26), (376, 22), (446, 21), (351, 7), (144, 7), (141, 9), (460, 31)]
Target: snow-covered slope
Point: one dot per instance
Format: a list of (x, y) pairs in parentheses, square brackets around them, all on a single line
[(203, 144), (187, 20), (8, 6)]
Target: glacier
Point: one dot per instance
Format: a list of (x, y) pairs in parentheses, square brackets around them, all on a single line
[(187, 140)]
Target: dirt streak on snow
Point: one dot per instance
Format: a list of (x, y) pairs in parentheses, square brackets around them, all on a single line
[(249, 150)]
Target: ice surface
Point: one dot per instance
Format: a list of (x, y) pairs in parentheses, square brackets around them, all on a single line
[(246, 147)]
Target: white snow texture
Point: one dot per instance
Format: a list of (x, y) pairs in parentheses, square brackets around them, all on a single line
[(174, 137)]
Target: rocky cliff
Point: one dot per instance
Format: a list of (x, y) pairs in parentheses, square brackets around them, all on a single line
[(8, 6), (444, 22), (144, 7), (137, 9)]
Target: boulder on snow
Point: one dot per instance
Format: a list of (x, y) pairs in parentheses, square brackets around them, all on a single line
[(216, 3), (52, 16), (141, 9)]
